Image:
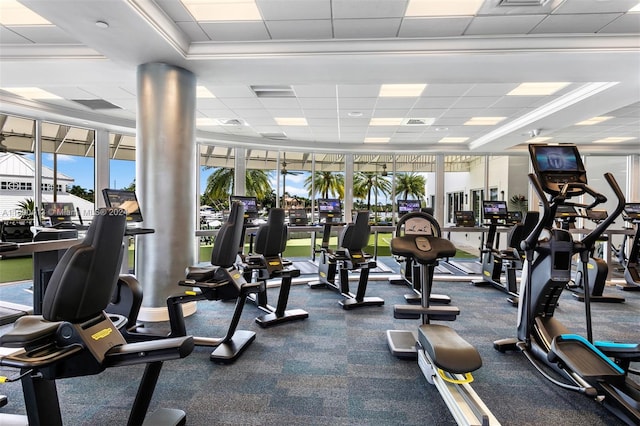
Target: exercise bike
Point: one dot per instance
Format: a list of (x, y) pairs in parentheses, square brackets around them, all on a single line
[(583, 366), (409, 269), (445, 358)]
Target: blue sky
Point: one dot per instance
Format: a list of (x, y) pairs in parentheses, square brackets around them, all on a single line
[(123, 173)]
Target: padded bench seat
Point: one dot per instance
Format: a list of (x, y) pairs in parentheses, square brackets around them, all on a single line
[(448, 350)]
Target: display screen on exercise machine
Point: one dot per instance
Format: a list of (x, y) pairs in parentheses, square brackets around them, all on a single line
[(408, 206), (123, 199), (58, 212), (558, 166), (632, 211), (250, 206), (329, 210), (494, 210)]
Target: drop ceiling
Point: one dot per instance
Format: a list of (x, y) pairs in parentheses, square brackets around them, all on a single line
[(323, 63)]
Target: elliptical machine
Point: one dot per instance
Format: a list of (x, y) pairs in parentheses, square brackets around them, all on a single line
[(545, 341), (631, 265)]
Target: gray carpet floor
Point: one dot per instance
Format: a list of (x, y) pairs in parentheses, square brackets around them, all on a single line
[(334, 368)]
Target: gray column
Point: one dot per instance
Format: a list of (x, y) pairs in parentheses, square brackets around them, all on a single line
[(439, 184), (348, 187), (240, 172), (101, 159), (165, 182)]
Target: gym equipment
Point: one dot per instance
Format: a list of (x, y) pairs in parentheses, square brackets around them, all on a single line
[(510, 259), (445, 358), (266, 263), (541, 337), (221, 280), (597, 267), (417, 224), (631, 273), (348, 257), (74, 337)]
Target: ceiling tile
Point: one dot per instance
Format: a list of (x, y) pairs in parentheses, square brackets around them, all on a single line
[(235, 31), (193, 31), (272, 10), (572, 24), (343, 9), (629, 23), (300, 30), (434, 27), (315, 90), (43, 34), (366, 28), (8, 36), (494, 25), (594, 6)]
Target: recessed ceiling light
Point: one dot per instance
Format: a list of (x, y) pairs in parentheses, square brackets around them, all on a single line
[(291, 121), (385, 121), (223, 10), (102, 24), (13, 13), (443, 8), (451, 139), (635, 8), (537, 89), (376, 140), (483, 121), (612, 139), (401, 90), (594, 120), (31, 92), (355, 114), (202, 93), (441, 129)]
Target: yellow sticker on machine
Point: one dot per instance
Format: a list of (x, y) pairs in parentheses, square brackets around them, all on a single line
[(101, 334), (274, 263)]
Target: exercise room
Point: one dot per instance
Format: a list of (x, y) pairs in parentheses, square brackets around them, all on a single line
[(323, 212)]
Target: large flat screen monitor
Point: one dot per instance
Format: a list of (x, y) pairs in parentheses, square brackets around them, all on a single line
[(123, 199), (250, 205), (494, 210), (58, 212), (408, 206)]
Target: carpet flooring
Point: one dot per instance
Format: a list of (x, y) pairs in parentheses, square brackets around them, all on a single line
[(334, 368)]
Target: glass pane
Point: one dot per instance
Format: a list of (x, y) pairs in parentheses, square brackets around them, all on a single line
[(17, 195)]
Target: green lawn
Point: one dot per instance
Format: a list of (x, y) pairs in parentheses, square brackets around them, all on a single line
[(21, 268)]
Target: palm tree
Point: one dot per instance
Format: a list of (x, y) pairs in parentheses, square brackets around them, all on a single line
[(220, 184), (27, 206), (410, 184), (325, 183), (364, 183)]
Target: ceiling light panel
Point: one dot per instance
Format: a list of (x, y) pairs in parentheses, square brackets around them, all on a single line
[(385, 121), (376, 140), (451, 139), (593, 120), (635, 8), (401, 90), (484, 121), (443, 8), (13, 13), (613, 139), (223, 10), (537, 89), (31, 92), (203, 93), (291, 121)]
